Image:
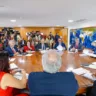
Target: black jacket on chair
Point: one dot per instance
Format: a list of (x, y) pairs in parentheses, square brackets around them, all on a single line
[(39, 46), (93, 90)]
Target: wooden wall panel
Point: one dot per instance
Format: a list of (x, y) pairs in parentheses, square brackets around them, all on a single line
[(63, 32)]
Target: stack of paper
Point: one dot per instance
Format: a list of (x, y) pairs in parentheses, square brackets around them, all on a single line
[(12, 59), (89, 76), (80, 71), (28, 55), (13, 66), (92, 66), (91, 54), (70, 52), (43, 51), (82, 55), (60, 48), (18, 75), (94, 63), (85, 51), (19, 55)]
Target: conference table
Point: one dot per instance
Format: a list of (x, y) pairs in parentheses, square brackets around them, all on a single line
[(34, 64)]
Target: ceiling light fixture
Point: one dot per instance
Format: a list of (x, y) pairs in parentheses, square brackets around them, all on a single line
[(19, 25), (13, 20), (57, 25), (70, 21)]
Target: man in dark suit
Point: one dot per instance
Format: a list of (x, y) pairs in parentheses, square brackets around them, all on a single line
[(94, 47), (76, 46), (51, 82), (60, 45), (56, 37), (12, 49), (22, 43), (42, 45)]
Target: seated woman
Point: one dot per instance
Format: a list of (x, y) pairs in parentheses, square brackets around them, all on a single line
[(76, 46), (1, 46), (33, 45), (7, 81), (60, 45), (29, 47)]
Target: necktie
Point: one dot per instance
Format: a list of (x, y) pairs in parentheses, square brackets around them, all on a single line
[(43, 47), (13, 50)]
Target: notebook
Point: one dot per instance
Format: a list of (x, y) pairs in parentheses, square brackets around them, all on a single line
[(13, 66)]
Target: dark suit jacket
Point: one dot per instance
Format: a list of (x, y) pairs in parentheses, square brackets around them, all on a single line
[(21, 44), (80, 47), (9, 50), (39, 46), (62, 44), (93, 90), (56, 38), (57, 84), (94, 49)]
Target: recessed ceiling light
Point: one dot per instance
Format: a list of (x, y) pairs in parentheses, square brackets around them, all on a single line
[(57, 25), (19, 25), (13, 20), (70, 21)]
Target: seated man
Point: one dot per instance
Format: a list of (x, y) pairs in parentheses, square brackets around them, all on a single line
[(76, 46), (22, 42), (60, 45), (51, 82), (11, 49), (42, 45), (94, 47)]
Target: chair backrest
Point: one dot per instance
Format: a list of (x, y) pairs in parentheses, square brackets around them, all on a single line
[(58, 84)]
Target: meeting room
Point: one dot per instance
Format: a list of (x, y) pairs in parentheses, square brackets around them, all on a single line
[(47, 48)]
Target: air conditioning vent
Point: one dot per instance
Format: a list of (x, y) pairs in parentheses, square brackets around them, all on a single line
[(1, 6), (81, 20)]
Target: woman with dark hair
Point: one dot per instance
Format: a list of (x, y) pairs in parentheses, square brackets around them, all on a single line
[(29, 46), (7, 81)]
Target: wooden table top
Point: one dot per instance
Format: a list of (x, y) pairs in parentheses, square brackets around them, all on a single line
[(33, 64)]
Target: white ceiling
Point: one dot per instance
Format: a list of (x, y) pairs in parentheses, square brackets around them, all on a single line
[(46, 12)]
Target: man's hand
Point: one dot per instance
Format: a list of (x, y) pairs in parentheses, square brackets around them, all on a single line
[(73, 49), (16, 54)]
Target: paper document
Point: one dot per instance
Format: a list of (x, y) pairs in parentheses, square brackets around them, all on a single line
[(28, 55), (60, 48), (82, 55), (70, 52), (80, 71), (92, 66), (85, 51), (94, 63), (12, 59), (89, 76), (13, 66), (43, 51), (20, 55), (91, 54), (18, 75)]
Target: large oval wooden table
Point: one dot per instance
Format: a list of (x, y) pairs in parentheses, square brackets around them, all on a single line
[(33, 64)]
